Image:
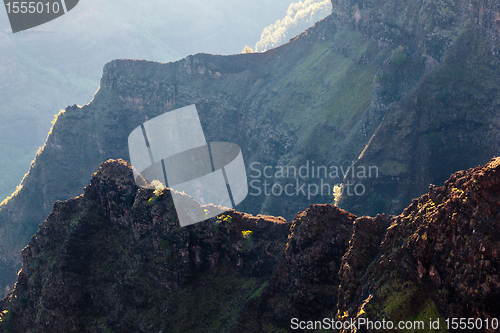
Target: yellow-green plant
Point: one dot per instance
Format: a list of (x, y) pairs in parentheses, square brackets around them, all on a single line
[(158, 187), (224, 218), (337, 193), (157, 192)]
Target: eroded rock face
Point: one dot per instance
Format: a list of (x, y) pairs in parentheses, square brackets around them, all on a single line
[(256, 101), (100, 258), (441, 255), (445, 109), (438, 259), (116, 259), (408, 87), (306, 281), (363, 249)]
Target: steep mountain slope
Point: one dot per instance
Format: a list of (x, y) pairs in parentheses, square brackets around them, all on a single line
[(115, 259), (449, 120), (101, 257), (46, 68), (381, 83), (440, 255), (277, 106)]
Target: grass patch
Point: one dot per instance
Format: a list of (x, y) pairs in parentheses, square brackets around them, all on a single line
[(215, 297)]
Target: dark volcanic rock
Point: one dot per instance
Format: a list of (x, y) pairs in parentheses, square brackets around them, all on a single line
[(444, 66), (439, 258), (408, 87), (305, 283), (257, 101), (363, 248), (115, 259)]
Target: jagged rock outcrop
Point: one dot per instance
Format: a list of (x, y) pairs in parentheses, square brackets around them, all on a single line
[(363, 249), (439, 258), (254, 100), (115, 259), (305, 284), (407, 87)]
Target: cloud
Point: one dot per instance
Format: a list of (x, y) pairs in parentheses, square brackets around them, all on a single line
[(299, 17)]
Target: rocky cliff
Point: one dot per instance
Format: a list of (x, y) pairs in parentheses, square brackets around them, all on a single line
[(444, 68), (405, 87), (258, 101), (440, 257), (116, 260)]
